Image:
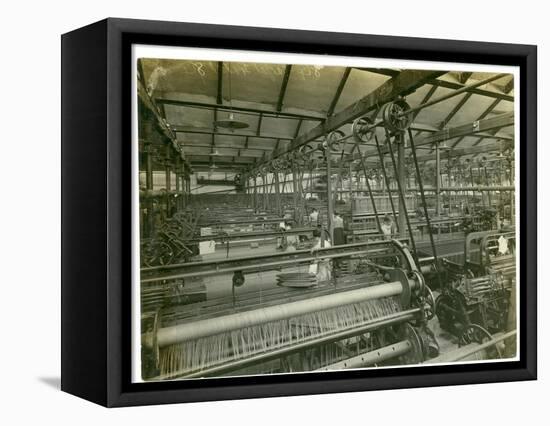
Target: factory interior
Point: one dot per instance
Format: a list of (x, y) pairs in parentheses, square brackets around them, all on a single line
[(306, 218)]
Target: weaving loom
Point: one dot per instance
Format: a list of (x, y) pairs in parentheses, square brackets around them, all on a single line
[(361, 319)]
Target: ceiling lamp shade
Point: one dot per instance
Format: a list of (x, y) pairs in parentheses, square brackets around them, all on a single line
[(231, 123), (443, 146)]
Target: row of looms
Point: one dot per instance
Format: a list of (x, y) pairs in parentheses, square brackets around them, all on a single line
[(309, 218)]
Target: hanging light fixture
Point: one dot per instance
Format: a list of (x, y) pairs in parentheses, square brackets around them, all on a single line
[(443, 146), (230, 122)]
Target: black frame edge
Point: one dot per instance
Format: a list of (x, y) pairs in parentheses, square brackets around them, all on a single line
[(83, 213), (528, 176)]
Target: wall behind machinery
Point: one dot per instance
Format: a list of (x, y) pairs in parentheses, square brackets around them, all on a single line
[(30, 34)]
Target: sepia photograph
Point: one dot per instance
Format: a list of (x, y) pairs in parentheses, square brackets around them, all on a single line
[(299, 213)]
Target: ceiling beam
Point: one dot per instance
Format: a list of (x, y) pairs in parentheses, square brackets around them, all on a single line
[(217, 159), (389, 72), (339, 91), (203, 145), (509, 86), (284, 84), (484, 114), (475, 91), (196, 163), (455, 110), (482, 126), (298, 127), (241, 109), (463, 77), (466, 151), (259, 128), (240, 133), (479, 126), (405, 83), (204, 167), (425, 99), (491, 107), (219, 97)]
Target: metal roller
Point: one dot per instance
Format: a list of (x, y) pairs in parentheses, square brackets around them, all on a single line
[(378, 355), (212, 326)]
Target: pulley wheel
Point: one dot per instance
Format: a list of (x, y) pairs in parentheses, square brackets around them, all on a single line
[(474, 333), (362, 129), (395, 116), (416, 353), (333, 140), (429, 303)]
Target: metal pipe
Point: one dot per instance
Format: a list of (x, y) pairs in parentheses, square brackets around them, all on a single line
[(368, 358), (149, 193), (212, 326), (446, 189), (471, 349), (264, 262)]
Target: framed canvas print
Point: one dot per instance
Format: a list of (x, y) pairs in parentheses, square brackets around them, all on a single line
[(253, 212)]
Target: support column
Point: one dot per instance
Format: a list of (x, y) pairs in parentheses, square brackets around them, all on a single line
[(187, 189), (330, 201), (264, 192), (277, 193), (298, 199), (177, 172), (401, 172), (149, 186), (350, 189), (250, 192), (255, 193), (437, 180), (168, 181)]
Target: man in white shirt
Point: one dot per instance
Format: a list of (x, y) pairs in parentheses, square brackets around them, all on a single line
[(314, 217)]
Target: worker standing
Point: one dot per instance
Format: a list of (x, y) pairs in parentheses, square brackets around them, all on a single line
[(387, 227), (322, 267), (338, 230), (314, 217)]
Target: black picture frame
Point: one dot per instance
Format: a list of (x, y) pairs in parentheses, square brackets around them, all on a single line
[(96, 209)]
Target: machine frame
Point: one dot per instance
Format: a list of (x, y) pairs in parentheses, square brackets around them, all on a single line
[(96, 226)]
